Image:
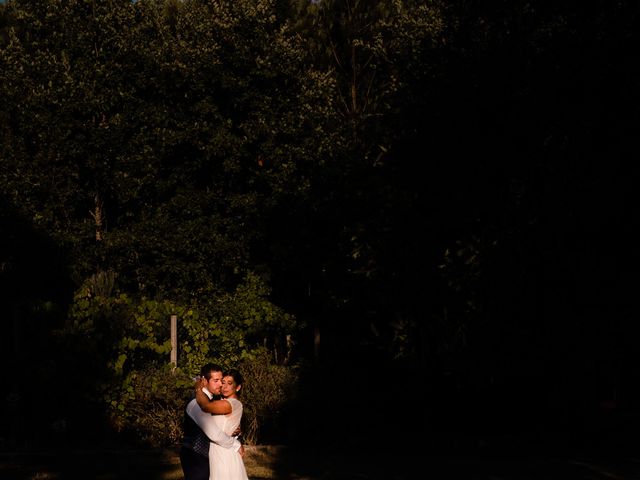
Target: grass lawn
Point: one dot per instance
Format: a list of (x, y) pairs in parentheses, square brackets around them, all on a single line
[(103, 465), (279, 463), (160, 464)]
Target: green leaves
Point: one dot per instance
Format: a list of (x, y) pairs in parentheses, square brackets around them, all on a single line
[(151, 138), (185, 146)]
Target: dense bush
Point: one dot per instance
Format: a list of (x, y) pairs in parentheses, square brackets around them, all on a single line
[(153, 401), (268, 388), (143, 393)]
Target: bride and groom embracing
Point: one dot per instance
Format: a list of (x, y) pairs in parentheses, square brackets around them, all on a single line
[(210, 448)]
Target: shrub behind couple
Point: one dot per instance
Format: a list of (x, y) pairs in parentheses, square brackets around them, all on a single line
[(210, 450)]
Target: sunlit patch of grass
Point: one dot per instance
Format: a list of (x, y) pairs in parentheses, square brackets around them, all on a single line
[(44, 476)]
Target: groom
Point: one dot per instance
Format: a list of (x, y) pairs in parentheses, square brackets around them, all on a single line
[(194, 454)]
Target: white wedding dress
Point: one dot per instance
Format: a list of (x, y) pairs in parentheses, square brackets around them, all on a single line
[(226, 463)]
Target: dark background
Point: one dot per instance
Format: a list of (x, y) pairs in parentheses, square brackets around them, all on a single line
[(522, 148)]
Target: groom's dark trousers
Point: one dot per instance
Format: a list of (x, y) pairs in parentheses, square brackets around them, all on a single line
[(194, 454), (194, 465)]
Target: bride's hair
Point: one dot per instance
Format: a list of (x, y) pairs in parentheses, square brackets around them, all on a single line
[(236, 375)]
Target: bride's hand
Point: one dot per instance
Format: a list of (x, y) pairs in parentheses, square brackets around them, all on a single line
[(201, 382)]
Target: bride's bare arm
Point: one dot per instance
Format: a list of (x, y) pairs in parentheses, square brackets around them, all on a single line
[(217, 407)]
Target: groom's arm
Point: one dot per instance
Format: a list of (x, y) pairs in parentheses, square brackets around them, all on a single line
[(208, 425)]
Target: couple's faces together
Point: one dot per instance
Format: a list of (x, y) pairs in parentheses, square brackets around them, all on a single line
[(219, 385)]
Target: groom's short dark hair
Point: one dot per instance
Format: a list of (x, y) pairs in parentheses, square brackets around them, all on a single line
[(207, 368)]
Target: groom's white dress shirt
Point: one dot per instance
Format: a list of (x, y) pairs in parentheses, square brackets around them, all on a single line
[(208, 425)]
